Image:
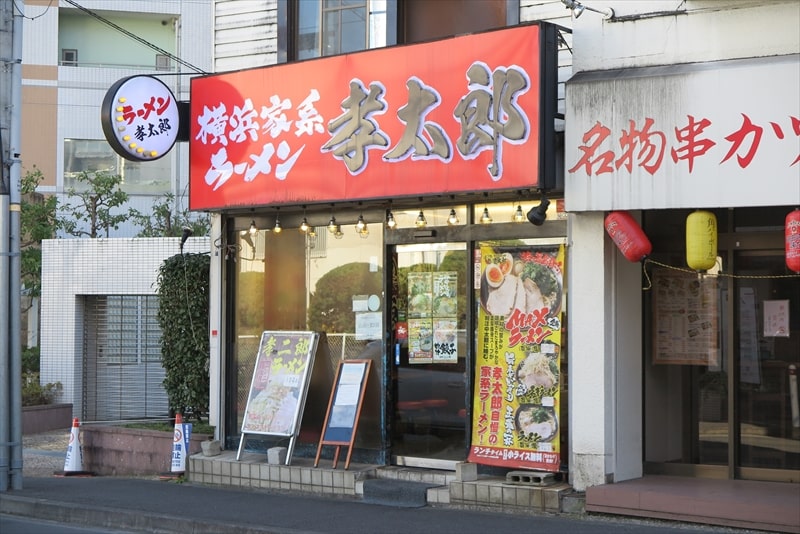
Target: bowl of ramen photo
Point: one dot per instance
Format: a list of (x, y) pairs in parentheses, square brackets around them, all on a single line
[(536, 421), (537, 369)]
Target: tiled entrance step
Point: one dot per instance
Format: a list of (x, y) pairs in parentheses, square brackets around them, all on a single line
[(434, 477), (464, 487), (494, 492)]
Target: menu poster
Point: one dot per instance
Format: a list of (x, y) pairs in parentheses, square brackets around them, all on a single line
[(420, 340), (516, 408), (420, 296), (433, 317), (445, 294), (279, 383), (445, 341), (685, 318)]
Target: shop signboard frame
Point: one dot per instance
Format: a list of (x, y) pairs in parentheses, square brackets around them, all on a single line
[(472, 112), (279, 386), (344, 408)]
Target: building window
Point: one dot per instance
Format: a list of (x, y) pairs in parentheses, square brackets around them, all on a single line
[(94, 155), (292, 281), (69, 57), (102, 46), (122, 371), (128, 325), (331, 27), (163, 62)]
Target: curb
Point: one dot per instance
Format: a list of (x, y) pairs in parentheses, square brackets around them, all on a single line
[(117, 518)]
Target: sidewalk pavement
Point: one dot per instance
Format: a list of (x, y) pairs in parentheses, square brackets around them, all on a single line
[(167, 506), (155, 505), (170, 506)]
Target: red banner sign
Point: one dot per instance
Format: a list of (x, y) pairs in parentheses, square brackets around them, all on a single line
[(441, 117)]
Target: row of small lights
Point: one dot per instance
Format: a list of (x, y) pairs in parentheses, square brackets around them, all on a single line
[(305, 228), (536, 216)]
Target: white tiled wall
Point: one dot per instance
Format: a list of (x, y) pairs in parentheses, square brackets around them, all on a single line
[(75, 267)]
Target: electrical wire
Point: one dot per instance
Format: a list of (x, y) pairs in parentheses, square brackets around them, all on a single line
[(22, 11), (135, 37), (717, 275)]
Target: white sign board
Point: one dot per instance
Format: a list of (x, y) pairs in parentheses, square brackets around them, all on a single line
[(684, 136)]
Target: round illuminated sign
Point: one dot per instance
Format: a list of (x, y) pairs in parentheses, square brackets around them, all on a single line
[(140, 118)]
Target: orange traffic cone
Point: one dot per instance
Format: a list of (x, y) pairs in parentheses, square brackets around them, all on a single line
[(180, 449), (73, 462)]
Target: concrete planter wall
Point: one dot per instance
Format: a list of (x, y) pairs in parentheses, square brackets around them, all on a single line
[(46, 417), (117, 451)]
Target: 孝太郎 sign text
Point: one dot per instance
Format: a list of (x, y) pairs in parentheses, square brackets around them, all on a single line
[(455, 115)]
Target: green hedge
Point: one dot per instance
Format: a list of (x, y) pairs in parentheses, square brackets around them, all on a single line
[(183, 287)]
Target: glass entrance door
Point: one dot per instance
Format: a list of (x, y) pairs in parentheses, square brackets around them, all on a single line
[(732, 410), (429, 354), (767, 357)]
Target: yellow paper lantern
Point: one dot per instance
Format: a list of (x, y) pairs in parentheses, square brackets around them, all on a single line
[(701, 240)]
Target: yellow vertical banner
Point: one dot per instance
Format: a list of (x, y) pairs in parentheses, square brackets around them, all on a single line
[(516, 406)]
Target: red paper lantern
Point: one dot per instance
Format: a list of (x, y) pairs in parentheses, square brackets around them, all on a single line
[(628, 236), (792, 229)]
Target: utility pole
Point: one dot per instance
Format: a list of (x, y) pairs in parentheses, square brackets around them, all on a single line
[(6, 18), (10, 286), (15, 286)]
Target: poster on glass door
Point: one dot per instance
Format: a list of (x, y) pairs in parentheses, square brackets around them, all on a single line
[(516, 410), (432, 317)]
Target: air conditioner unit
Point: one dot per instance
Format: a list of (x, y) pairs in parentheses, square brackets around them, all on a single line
[(69, 57), (163, 62)]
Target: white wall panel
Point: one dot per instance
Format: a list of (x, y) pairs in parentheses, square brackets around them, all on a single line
[(254, 47), (721, 93), (245, 34), (245, 20), (665, 32), (74, 267), (40, 35)]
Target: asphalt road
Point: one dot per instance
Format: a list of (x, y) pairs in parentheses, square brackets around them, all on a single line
[(23, 525)]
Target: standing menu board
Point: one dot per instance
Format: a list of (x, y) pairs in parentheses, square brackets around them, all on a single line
[(344, 408), (279, 386)]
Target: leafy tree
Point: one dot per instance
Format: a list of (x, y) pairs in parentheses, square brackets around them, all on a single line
[(331, 305), (98, 207), (167, 221), (37, 222), (183, 287), (35, 394), (250, 302)]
